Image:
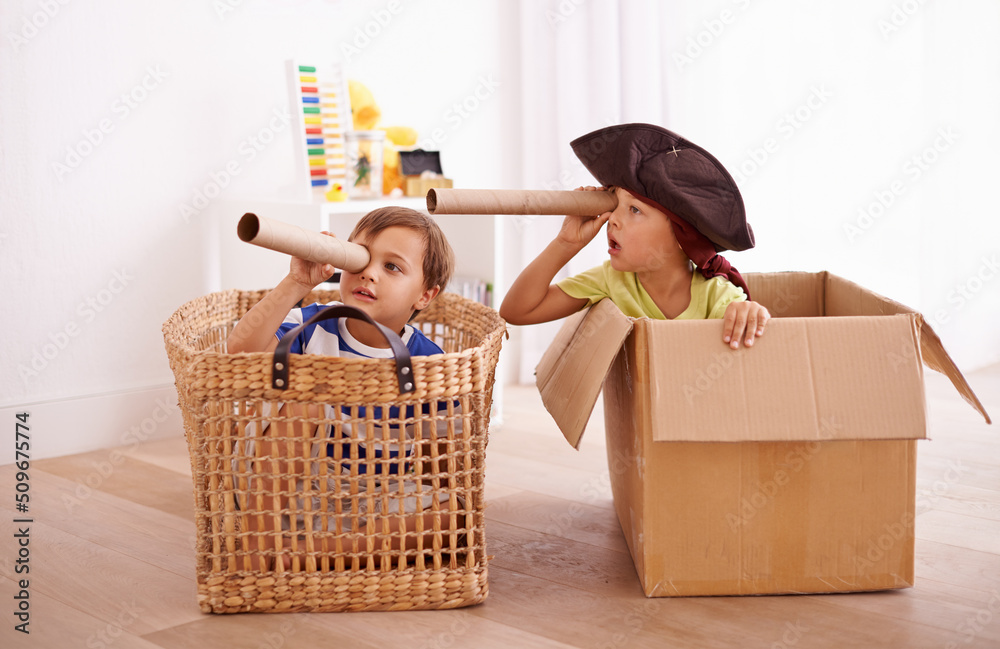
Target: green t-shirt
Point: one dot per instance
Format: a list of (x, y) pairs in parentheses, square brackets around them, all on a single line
[(709, 297)]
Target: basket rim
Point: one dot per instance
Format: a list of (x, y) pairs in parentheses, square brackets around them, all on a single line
[(498, 328), (187, 361)]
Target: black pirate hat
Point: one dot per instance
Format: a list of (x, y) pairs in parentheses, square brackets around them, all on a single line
[(660, 165)]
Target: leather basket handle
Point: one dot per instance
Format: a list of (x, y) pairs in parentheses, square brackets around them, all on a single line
[(404, 366)]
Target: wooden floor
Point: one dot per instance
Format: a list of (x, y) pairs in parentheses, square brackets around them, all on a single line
[(112, 560)]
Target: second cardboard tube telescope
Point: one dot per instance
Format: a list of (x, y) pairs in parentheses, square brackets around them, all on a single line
[(519, 201), (299, 242), (345, 255)]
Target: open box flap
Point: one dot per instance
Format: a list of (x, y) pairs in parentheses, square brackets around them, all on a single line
[(844, 297), (572, 370), (936, 358)]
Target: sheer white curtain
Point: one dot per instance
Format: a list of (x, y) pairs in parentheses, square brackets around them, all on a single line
[(863, 135), (580, 65)]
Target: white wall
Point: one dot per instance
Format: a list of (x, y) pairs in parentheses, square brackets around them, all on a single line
[(818, 110), (881, 120), (96, 255)]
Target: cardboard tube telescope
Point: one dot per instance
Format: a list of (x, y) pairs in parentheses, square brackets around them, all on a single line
[(519, 201), (293, 240)]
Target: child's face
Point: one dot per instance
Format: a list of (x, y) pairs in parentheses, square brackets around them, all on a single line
[(640, 237), (391, 287)]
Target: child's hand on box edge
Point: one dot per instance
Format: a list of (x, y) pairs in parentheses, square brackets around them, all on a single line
[(749, 317)]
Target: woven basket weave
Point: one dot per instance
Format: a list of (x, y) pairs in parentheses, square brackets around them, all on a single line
[(399, 529)]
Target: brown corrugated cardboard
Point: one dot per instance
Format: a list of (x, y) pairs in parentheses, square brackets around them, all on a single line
[(419, 186), (788, 467), (573, 368)]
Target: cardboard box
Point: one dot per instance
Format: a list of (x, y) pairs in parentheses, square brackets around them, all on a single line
[(422, 170), (788, 467), (418, 186)]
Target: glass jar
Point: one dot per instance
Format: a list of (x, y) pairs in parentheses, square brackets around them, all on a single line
[(364, 163)]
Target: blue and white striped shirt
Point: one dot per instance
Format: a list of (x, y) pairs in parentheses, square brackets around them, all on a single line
[(332, 338)]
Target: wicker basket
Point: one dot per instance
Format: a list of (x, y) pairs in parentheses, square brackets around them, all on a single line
[(382, 510)]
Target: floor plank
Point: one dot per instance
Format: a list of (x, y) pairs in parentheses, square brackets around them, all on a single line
[(112, 553), (584, 486), (562, 561), (568, 519), (956, 470), (292, 631), (588, 619), (104, 583), (143, 533), (113, 472), (970, 532), (437, 629), (53, 623), (165, 453), (933, 603), (957, 498), (975, 571)]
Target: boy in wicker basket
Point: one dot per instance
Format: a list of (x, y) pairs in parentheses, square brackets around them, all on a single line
[(411, 261)]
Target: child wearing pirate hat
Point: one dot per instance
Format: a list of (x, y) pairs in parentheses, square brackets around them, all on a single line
[(677, 209)]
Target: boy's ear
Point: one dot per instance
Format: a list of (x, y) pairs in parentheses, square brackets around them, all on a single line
[(426, 297)]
